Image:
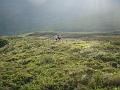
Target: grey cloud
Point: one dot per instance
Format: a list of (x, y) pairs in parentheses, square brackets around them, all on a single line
[(64, 15)]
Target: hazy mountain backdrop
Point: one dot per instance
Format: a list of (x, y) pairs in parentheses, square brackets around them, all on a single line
[(20, 16)]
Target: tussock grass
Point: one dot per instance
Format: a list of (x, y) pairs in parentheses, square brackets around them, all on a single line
[(33, 63)]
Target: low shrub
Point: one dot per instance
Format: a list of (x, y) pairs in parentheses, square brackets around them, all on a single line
[(3, 42)]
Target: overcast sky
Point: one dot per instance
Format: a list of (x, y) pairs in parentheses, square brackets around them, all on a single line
[(26, 15)]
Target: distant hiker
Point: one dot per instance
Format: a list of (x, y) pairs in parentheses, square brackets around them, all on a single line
[(57, 37)]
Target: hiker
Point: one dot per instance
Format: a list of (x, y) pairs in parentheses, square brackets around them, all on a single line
[(57, 37)]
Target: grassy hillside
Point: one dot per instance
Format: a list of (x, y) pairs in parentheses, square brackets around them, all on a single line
[(72, 34), (38, 63)]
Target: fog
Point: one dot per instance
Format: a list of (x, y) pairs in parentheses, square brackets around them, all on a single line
[(21, 16)]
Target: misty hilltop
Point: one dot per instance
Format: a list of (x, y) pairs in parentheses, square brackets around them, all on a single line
[(20, 16)]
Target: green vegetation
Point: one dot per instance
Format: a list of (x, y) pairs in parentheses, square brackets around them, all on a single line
[(34, 63), (3, 42)]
